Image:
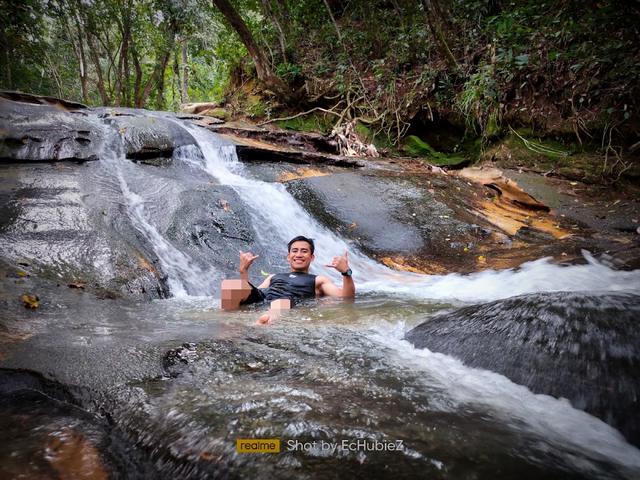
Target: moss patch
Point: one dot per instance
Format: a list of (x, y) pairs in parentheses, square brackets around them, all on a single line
[(416, 147), (309, 123)]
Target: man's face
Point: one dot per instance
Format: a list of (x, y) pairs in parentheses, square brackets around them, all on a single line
[(300, 256)]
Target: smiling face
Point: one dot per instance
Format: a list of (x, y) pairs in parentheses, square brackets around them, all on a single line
[(300, 256)]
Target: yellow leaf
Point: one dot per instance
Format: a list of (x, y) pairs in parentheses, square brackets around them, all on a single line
[(30, 301), (263, 273), (22, 273)]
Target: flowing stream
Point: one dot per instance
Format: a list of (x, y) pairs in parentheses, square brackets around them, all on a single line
[(166, 387)]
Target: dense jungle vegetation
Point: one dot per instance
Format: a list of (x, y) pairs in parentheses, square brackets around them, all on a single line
[(437, 78)]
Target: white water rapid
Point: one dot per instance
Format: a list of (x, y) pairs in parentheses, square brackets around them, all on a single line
[(278, 218)]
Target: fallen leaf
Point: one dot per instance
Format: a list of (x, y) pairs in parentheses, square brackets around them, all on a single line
[(353, 225), (263, 273), (76, 285), (30, 301), (224, 204), (22, 273)]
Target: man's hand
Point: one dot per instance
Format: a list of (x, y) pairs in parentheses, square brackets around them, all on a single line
[(341, 264), (246, 259)]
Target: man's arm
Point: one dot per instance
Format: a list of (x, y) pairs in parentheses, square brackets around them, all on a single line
[(327, 287), (266, 282)]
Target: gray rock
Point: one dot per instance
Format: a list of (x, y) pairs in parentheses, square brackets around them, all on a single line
[(52, 220), (148, 138), (384, 215), (569, 345), (36, 132)]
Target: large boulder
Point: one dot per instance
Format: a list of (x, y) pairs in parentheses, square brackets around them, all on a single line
[(582, 347), (42, 131), (394, 218), (59, 223), (149, 138)]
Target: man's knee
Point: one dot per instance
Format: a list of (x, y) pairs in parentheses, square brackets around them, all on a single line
[(233, 292)]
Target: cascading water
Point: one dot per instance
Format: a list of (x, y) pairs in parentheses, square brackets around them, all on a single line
[(147, 203), (278, 217)]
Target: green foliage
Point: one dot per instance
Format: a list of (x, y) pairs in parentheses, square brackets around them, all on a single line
[(520, 62), (320, 123), (288, 71), (479, 103), (549, 151), (419, 148)]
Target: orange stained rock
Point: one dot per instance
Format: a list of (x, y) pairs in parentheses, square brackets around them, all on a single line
[(513, 208), (144, 263), (303, 172), (72, 456), (252, 142), (400, 263), (510, 218)]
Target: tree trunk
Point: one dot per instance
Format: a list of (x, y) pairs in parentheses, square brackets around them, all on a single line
[(263, 70), (7, 57), (434, 19), (157, 77), (268, 10), (93, 53), (138, 80), (126, 40), (333, 20), (184, 84), (160, 86), (79, 49)]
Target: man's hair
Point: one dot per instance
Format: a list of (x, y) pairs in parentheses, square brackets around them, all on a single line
[(301, 238)]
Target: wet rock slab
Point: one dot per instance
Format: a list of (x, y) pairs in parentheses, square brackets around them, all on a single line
[(416, 221), (147, 137), (32, 132), (582, 347), (52, 227)]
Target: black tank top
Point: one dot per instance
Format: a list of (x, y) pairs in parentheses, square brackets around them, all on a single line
[(293, 285)]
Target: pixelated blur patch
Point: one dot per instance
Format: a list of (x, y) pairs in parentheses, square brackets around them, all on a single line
[(258, 445)]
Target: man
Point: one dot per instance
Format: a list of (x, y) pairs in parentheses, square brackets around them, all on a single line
[(282, 290)]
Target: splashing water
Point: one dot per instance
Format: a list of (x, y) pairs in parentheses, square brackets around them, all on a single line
[(184, 277), (278, 217)]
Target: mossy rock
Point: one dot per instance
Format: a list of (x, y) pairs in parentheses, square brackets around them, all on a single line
[(309, 123), (219, 113), (417, 147)]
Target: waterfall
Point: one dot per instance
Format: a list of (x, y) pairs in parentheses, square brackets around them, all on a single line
[(277, 218), (145, 199)]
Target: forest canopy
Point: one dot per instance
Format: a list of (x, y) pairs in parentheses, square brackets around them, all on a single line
[(562, 66)]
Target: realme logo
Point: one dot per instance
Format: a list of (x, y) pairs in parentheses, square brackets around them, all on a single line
[(258, 445)]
